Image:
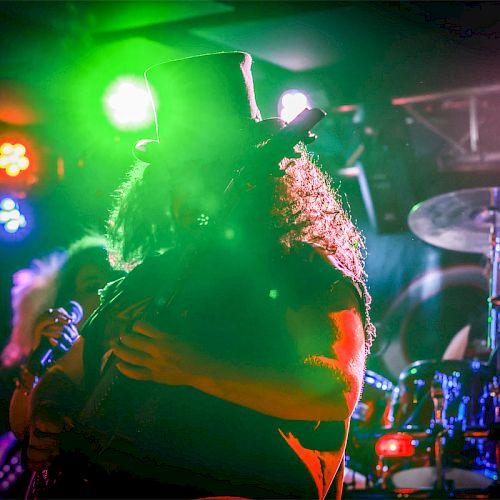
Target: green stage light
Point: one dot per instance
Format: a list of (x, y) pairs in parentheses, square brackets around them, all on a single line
[(127, 104), (94, 78)]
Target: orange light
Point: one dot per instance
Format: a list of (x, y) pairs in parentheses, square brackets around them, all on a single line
[(12, 158), (395, 445)]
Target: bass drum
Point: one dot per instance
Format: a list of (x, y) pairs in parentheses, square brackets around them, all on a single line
[(468, 455)]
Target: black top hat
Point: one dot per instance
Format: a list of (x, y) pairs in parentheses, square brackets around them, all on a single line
[(204, 105)]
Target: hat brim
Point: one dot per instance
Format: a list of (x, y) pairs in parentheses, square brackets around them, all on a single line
[(148, 150)]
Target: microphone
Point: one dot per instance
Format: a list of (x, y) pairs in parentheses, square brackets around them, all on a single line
[(45, 353)]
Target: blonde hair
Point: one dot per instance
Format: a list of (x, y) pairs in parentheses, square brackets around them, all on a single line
[(34, 290)]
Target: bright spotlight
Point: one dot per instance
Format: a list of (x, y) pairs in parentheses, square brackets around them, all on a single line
[(291, 103), (11, 218), (12, 158), (127, 104)]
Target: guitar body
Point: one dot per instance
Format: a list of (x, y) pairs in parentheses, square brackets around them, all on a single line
[(76, 472), (212, 444)]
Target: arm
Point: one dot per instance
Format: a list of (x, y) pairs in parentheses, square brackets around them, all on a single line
[(51, 324), (50, 406), (323, 381)]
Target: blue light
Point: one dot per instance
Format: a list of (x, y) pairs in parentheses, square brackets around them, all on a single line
[(7, 204), (13, 223)]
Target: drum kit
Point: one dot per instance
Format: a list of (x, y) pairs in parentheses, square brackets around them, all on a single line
[(435, 434)]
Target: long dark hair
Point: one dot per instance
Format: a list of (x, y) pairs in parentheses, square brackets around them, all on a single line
[(48, 282), (90, 249), (306, 209), (141, 222)]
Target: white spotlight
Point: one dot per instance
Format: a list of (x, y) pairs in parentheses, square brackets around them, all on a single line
[(291, 103)]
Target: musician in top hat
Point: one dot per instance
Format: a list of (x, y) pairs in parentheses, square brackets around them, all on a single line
[(229, 360)]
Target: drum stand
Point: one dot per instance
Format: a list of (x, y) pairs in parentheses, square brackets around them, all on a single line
[(494, 298), (440, 430), (494, 316), (468, 220)]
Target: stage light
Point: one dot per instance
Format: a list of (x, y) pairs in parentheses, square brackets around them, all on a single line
[(395, 445), (291, 103), (13, 159), (7, 204), (11, 218), (127, 104)]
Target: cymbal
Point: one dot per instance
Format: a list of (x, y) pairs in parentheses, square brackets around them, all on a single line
[(459, 220)]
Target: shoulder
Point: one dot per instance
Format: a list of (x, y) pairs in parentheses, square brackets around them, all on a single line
[(324, 280)]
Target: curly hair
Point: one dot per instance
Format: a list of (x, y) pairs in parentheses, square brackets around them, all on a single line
[(140, 223), (311, 211), (47, 282), (305, 209)]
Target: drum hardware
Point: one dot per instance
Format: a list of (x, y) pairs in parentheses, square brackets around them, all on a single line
[(368, 422), (438, 454), (439, 402), (493, 302), (444, 408), (443, 423), (466, 221), (469, 221), (461, 221)]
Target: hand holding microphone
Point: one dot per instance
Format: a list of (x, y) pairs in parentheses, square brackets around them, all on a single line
[(56, 332), (51, 324)]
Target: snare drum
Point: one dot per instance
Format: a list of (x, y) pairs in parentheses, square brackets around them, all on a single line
[(468, 456), (467, 461)]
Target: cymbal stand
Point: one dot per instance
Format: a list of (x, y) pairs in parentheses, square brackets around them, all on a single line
[(440, 429), (494, 298), (494, 312)]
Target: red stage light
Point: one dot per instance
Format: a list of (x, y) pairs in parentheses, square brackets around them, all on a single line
[(19, 158), (395, 445), (13, 158)]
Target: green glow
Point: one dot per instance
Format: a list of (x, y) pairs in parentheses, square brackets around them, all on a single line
[(117, 16), (103, 100), (127, 103), (273, 294)]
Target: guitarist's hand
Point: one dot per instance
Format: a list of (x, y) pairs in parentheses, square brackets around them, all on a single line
[(146, 353), (44, 435)]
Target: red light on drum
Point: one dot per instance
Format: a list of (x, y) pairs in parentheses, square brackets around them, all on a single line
[(395, 445)]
